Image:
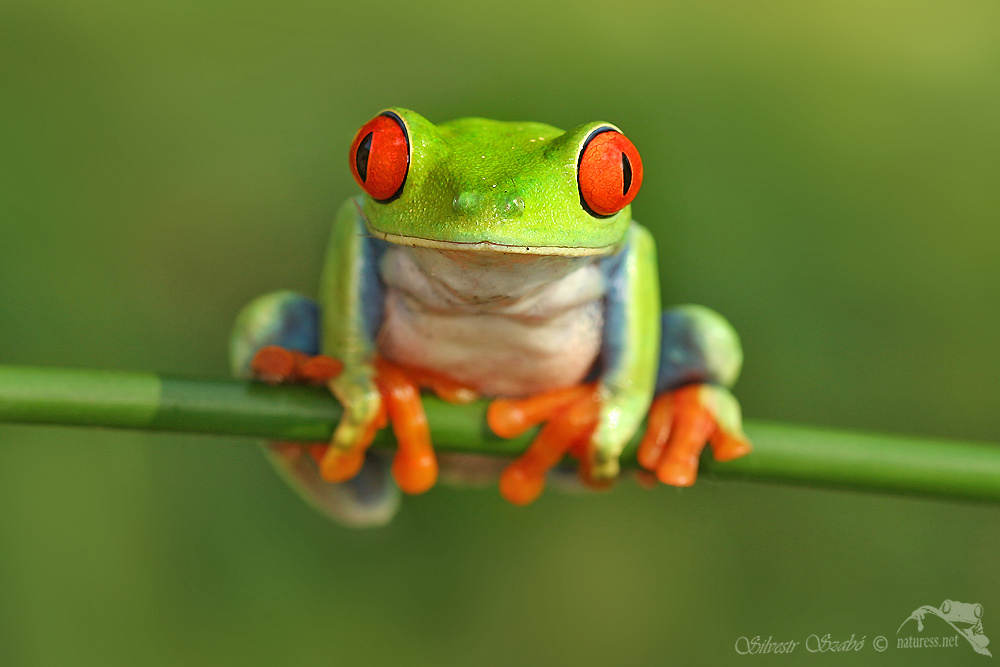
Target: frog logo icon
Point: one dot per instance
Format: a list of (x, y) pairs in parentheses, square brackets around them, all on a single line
[(965, 618)]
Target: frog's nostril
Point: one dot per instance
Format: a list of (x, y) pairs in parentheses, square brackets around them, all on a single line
[(466, 203), (512, 207)]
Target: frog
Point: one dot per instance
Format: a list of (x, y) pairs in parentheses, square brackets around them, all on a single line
[(492, 260)]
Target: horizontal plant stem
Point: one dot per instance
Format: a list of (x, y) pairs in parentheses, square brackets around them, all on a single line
[(793, 454)]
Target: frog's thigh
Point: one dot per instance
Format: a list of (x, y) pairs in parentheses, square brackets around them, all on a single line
[(285, 319), (291, 321), (698, 346)]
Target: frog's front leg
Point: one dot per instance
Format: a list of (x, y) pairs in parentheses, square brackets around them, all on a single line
[(700, 360), (373, 396), (389, 392), (372, 390)]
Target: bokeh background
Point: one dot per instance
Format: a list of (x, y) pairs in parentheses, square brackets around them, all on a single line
[(824, 173)]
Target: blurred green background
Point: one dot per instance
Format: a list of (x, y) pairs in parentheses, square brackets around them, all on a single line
[(825, 174)]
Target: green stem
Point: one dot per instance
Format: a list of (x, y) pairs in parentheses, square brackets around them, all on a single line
[(792, 454)]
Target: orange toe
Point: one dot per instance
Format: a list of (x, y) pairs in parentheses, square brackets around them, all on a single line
[(520, 485), (679, 426), (339, 465), (658, 425), (677, 473), (509, 418), (444, 387), (692, 427), (319, 369), (726, 447), (274, 364), (415, 467)]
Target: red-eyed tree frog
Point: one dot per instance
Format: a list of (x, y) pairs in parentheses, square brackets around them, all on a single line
[(493, 260)]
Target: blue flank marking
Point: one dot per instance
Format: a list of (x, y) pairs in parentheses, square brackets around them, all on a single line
[(615, 304), (686, 354), (371, 286)]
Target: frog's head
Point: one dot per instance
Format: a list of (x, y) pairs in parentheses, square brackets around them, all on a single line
[(961, 612), (473, 183)]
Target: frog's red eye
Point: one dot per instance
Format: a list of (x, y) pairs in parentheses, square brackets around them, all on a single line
[(380, 157), (609, 172)]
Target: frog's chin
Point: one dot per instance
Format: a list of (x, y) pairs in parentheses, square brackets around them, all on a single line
[(489, 246)]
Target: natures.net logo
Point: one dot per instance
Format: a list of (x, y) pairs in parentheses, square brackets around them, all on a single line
[(965, 619), (957, 621)]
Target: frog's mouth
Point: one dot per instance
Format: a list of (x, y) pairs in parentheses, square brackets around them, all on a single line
[(490, 246)]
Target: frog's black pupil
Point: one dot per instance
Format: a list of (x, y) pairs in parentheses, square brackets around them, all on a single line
[(627, 172), (361, 159)]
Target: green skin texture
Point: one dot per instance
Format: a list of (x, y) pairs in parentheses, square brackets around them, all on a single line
[(512, 189)]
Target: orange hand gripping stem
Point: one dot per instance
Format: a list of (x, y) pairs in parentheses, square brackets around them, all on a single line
[(680, 423), (571, 416), (415, 467)]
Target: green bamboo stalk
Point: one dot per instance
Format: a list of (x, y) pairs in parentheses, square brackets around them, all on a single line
[(782, 453)]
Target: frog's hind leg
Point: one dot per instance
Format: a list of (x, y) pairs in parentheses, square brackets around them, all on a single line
[(284, 319), (369, 499), (700, 360), (286, 325)]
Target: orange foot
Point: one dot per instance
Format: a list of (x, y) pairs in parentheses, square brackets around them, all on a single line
[(414, 467), (570, 415), (275, 365), (679, 425)]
